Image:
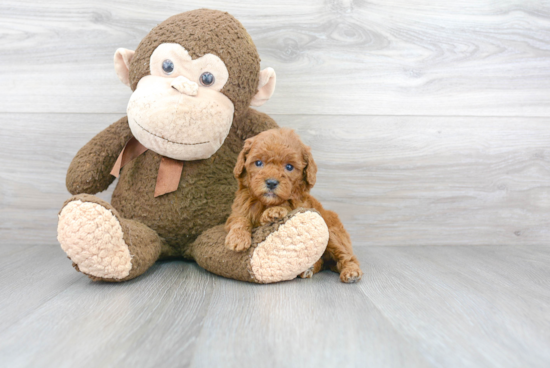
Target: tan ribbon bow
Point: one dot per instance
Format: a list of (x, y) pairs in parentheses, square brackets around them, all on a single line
[(170, 170)]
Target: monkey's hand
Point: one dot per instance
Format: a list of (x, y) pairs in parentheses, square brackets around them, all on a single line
[(238, 239), (273, 214)]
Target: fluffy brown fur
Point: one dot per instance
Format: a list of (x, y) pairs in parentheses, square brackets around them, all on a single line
[(205, 193), (269, 188), (204, 31)]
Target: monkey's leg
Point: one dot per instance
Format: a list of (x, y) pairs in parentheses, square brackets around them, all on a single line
[(279, 251), (101, 244)]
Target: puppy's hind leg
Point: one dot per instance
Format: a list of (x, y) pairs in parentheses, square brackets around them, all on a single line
[(339, 248)]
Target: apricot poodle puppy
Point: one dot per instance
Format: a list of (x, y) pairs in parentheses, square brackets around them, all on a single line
[(275, 172)]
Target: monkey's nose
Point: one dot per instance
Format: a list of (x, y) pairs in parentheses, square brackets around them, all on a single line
[(271, 183), (184, 85)]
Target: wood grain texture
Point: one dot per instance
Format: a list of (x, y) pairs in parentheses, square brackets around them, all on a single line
[(43, 267), (429, 124), (393, 180), (465, 306), (302, 323), (148, 322), (433, 180), (417, 306), (35, 152), (405, 57)]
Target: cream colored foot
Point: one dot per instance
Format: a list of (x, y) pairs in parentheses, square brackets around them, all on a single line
[(93, 239), (292, 249)]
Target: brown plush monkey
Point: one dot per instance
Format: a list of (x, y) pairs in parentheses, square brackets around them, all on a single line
[(193, 79)]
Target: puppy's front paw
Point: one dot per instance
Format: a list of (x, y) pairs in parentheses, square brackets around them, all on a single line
[(238, 240), (350, 275), (273, 214)]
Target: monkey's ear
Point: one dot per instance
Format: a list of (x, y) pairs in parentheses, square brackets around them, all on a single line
[(239, 167), (310, 171), (123, 58), (266, 87)]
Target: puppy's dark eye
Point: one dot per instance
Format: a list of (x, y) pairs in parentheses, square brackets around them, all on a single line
[(207, 79), (289, 167), (168, 66), (259, 163)]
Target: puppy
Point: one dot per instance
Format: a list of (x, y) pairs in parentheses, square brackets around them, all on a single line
[(275, 172)]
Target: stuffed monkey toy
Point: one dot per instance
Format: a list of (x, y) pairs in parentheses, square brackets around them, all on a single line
[(194, 78)]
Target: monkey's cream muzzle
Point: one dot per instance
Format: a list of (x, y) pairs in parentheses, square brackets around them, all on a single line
[(176, 118), (184, 85)]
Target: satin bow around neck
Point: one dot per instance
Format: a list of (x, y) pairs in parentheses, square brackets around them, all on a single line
[(168, 177)]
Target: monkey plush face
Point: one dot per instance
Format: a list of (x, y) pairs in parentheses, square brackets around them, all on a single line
[(192, 76), (178, 110)]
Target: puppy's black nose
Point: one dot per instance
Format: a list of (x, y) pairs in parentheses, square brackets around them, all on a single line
[(271, 183)]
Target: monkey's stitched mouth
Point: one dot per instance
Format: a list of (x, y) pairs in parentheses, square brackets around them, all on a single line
[(158, 136)]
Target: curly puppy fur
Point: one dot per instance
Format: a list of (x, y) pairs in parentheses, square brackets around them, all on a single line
[(275, 172)]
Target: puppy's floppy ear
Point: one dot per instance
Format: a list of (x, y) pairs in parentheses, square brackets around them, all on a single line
[(239, 167), (310, 171)]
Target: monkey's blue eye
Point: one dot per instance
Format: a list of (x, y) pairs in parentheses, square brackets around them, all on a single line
[(168, 66), (289, 167), (207, 79), (259, 163)]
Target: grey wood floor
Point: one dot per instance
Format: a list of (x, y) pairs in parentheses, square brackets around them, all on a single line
[(417, 306)]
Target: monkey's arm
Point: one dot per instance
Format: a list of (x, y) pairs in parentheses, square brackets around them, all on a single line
[(90, 169), (254, 123)]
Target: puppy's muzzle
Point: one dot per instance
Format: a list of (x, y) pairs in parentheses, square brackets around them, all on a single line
[(271, 184)]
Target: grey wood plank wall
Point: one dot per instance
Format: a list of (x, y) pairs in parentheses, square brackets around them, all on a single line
[(429, 119)]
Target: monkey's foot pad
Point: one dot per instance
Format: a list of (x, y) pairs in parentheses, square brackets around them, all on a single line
[(92, 237), (290, 250)]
